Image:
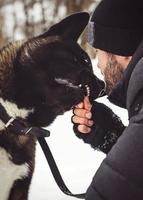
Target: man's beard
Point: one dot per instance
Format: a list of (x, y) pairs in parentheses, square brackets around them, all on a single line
[(112, 74)]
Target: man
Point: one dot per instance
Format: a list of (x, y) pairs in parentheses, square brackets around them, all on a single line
[(116, 31)]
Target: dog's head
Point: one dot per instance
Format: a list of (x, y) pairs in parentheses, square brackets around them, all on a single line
[(52, 73)]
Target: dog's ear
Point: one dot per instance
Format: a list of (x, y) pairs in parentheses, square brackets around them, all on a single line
[(70, 27)]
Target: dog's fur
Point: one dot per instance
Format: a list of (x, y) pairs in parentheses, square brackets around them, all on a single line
[(39, 79)]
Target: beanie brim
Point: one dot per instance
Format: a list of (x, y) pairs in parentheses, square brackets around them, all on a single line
[(117, 41)]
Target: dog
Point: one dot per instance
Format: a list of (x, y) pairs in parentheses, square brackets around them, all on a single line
[(40, 79)]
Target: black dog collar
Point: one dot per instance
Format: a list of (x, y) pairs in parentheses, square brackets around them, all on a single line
[(19, 126)]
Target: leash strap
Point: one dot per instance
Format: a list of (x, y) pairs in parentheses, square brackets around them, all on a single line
[(55, 171)]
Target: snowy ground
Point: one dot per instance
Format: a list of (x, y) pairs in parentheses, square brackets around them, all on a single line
[(76, 160)]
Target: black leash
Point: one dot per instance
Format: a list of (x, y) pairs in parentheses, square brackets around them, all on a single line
[(20, 126), (55, 171)]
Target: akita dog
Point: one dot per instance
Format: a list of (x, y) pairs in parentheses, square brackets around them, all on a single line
[(39, 79)]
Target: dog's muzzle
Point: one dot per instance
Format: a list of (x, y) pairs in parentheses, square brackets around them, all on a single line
[(85, 88)]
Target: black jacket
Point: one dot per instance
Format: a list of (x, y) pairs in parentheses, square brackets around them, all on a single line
[(120, 176)]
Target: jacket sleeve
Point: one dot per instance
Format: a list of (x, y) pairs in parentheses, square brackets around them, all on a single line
[(106, 129), (120, 175)]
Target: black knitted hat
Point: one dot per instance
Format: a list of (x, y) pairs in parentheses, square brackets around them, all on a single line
[(116, 26)]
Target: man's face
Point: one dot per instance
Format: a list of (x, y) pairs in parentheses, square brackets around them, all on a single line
[(112, 68)]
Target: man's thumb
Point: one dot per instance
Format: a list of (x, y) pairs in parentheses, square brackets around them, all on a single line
[(87, 104)]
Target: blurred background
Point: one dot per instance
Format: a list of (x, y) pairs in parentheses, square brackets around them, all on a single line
[(77, 161), (25, 18)]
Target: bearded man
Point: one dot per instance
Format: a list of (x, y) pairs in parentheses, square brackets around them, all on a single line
[(115, 31)]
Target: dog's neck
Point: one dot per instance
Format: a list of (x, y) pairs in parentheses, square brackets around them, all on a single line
[(13, 111)]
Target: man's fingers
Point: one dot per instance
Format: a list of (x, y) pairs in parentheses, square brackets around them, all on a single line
[(83, 129), (82, 116), (82, 121), (87, 104), (80, 105), (82, 113)]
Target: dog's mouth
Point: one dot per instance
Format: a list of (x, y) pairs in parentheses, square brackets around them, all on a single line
[(85, 88), (75, 92), (88, 91)]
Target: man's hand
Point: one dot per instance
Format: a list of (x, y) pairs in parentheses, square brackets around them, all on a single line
[(82, 116)]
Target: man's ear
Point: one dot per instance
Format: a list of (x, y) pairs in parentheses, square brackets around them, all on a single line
[(70, 27)]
